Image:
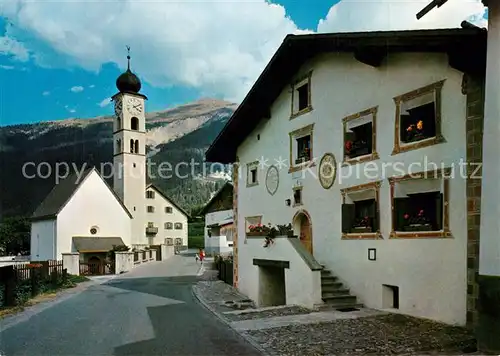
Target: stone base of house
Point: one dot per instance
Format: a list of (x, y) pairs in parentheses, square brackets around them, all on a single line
[(488, 326)]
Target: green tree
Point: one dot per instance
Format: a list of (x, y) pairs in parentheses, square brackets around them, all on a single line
[(15, 235)]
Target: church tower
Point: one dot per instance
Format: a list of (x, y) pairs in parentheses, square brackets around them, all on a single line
[(129, 152)]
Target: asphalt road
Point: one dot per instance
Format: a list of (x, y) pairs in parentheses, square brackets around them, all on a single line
[(148, 311)]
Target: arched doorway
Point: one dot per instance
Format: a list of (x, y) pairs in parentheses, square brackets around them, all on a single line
[(302, 227)]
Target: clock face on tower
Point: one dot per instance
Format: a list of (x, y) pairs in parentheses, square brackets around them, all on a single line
[(118, 107), (134, 106)]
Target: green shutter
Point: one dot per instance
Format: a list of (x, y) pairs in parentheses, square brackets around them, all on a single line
[(347, 217), (439, 211), (400, 209)]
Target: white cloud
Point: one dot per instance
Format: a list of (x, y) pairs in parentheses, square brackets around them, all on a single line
[(218, 47), (72, 111), (11, 47), (2, 66), (91, 86), (77, 89), (104, 102), (46, 93), (379, 15)]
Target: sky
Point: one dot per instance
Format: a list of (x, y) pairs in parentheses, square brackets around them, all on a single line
[(60, 59)]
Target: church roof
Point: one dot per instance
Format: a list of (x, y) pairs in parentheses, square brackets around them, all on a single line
[(61, 194), (151, 185), (94, 244)]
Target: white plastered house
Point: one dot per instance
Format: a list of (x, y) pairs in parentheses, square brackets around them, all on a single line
[(359, 134), (219, 221)]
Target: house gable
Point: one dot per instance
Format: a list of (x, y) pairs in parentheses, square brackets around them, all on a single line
[(222, 200), (169, 200), (63, 192), (369, 48)]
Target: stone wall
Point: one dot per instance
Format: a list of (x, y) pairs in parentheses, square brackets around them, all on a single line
[(474, 89), (236, 166)]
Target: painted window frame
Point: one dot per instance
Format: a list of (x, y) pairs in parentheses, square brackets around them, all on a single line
[(247, 224), (150, 209), (305, 79), (169, 226), (398, 100), (375, 186), (178, 226), (150, 194), (169, 210), (444, 174), (251, 166), (298, 188), (368, 157), (307, 130)]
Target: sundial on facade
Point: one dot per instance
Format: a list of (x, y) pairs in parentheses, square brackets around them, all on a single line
[(327, 170), (272, 180)]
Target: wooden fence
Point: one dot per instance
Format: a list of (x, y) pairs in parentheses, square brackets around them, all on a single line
[(18, 282), (225, 268)]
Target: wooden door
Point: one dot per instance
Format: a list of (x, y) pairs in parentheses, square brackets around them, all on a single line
[(305, 233)]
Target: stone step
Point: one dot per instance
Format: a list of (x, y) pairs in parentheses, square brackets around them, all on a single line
[(330, 285), (332, 293), (328, 278), (342, 299), (329, 306)]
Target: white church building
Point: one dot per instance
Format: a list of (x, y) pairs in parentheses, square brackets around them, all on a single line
[(84, 214)]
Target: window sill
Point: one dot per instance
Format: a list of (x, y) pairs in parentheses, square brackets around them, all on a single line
[(302, 166), (416, 145), (421, 235), (363, 236), (360, 159), (249, 185), (301, 112)]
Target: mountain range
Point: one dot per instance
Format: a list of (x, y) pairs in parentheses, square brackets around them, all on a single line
[(179, 134)]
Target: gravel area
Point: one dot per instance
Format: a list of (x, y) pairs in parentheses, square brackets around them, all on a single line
[(381, 335), (268, 313)]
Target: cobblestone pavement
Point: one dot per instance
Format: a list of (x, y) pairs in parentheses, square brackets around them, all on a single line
[(385, 334)]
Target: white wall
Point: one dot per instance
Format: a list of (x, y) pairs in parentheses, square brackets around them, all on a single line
[(302, 285), (43, 242), (489, 251), (213, 218), (160, 217), (431, 274), (93, 204)]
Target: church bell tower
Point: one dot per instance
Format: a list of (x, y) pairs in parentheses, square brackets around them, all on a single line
[(129, 152)]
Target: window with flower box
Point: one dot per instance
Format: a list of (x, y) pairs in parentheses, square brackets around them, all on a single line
[(361, 211), (360, 136), (250, 223), (418, 118), (301, 148), (419, 204)]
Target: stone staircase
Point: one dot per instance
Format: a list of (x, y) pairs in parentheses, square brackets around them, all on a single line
[(334, 294)]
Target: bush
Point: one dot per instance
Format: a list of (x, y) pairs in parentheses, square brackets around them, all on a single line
[(196, 242)]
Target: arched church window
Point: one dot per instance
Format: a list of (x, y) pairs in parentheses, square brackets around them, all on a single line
[(118, 123), (136, 146), (134, 123), (118, 145), (131, 146)]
